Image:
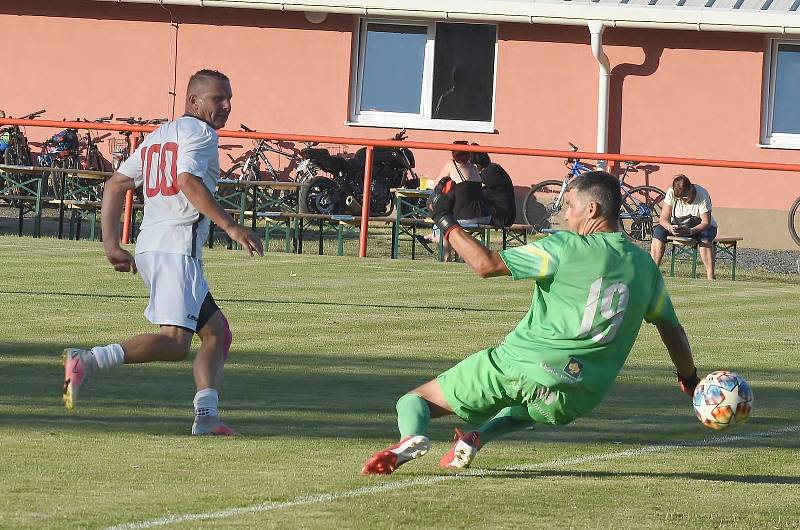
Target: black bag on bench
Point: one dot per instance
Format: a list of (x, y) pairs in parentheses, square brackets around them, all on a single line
[(686, 222)]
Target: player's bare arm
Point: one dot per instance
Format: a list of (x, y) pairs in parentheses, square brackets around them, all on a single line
[(114, 192), (197, 194), (674, 338), (483, 261), (486, 263)]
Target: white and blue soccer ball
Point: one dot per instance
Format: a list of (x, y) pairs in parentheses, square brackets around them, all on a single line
[(722, 399)]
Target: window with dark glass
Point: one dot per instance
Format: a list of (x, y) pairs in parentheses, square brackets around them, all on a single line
[(421, 74), (463, 72)]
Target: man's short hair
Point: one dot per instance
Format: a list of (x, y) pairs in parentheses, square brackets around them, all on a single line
[(481, 159), (600, 187), (204, 74)]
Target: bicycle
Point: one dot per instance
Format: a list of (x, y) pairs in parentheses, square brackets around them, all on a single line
[(794, 224), (71, 158), (59, 151), (639, 212), (17, 152), (93, 160), (120, 148), (250, 167)]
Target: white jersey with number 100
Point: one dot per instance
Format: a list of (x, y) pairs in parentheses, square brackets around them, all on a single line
[(171, 223)]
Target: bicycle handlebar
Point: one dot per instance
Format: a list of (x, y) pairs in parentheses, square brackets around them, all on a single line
[(400, 136), (33, 115), (130, 121), (139, 121), (245, 128)]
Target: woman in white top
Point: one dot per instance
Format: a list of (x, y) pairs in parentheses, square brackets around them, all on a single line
[(686, 213)]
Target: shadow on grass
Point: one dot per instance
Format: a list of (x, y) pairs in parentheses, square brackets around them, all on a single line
[(321, 303), (717, 477), (268, 394)]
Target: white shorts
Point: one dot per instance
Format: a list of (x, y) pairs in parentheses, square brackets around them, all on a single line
[(177, 288)]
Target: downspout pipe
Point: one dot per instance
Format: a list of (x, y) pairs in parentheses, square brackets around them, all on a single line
[(596, 28)]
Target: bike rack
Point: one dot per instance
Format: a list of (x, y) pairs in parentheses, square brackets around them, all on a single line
[(371, 144)]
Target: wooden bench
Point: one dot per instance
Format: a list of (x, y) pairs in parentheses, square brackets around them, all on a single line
[(517, 233), (26, 204), (293, 225), (724, 247), (409, 226), (79, 210)]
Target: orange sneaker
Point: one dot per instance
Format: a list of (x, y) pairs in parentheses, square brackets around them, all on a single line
[(386, 461), (464, 449)]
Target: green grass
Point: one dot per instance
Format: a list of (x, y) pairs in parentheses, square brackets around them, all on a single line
[(323, 346)]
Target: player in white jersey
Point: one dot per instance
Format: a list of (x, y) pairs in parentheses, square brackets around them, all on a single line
[(178, 167)]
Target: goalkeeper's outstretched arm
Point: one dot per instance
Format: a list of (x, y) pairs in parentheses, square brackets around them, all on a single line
[(486, 263), (674, 338)]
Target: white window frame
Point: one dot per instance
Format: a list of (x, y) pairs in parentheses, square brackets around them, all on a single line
[(398, 120), (771, 139)]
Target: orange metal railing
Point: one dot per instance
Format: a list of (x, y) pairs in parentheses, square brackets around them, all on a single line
[(371, 144)]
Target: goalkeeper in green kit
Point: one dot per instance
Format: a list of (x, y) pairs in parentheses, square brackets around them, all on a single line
[(593, 288)]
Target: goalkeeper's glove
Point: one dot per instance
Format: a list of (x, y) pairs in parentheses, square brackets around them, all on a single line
[(440, 204), (688, 384)]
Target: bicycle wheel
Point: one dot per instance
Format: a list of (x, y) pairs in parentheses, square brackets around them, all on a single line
[(539, 209), (18, 154), (236, 173), (10, 158), (55, 180), (641, 208), (794, 221), (95, 161)]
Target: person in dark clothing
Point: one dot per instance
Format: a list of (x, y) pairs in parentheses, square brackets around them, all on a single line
[(497, 189)]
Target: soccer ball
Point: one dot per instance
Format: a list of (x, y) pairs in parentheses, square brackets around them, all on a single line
[(722, 399)]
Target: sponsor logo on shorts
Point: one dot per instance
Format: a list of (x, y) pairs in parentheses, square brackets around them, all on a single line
[(555, 373), (191, 317), (574, 368)]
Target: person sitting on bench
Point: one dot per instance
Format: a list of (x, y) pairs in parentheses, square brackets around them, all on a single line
[(497, 189), (686, 213), (470, 207)]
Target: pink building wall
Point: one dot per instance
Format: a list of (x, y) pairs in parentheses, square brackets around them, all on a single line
[(673, 93)]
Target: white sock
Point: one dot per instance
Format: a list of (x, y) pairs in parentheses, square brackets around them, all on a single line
[(205, 402), (108, 356)]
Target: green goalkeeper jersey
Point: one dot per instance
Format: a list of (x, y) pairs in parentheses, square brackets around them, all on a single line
[(590, 297)]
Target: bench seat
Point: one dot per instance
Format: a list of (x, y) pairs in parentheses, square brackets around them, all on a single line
[(724, 247)]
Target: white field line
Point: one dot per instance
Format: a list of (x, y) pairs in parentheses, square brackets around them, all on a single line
[(426, 481)]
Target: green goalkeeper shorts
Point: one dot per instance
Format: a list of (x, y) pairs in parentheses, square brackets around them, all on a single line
[(482, 385)]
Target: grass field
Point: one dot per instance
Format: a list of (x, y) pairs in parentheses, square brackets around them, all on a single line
[(323, 346)]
